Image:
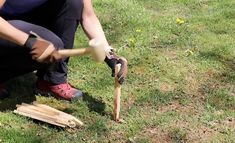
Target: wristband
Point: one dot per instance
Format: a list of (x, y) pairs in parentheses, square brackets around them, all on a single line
[(30, 41)]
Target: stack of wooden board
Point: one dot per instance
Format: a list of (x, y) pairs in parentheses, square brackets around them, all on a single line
[(47, 114)]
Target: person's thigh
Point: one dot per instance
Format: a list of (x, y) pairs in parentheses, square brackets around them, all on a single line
[(63, 19), (39, 30), (59, 16)]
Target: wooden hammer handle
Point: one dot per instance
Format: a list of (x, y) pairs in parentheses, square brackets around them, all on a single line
[(74, 52), (117, 95)]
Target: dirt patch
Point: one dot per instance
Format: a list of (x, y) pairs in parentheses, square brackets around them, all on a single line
[(195, 132), (209, 74), (230, 122), (189, 109), (140, 70), (172, 106), (187, 129), (154, 135), (176, 133), (190, 131), (170, 54), (203, 133), (118, 137), (165, 87), (130, 101), (192, 86), (200, 134), (224, 126)]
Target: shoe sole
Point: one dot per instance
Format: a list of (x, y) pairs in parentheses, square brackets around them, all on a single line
[(53, 95)]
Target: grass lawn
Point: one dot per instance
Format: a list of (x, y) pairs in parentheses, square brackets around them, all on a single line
[(180, 86)]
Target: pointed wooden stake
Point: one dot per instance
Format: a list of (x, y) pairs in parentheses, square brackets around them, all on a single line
[(47, 114), (117, 95)]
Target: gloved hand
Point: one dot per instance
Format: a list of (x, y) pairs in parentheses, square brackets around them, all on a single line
[(41, 50), (112, 59)]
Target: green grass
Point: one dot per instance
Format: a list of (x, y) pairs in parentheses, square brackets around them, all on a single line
[(180, 85)]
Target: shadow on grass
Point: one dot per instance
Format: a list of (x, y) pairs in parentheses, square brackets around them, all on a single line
[(228, 62), (21, 90), (220, 88), (94, 104)]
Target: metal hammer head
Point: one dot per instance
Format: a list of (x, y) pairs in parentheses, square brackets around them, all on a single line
[(97, 52)]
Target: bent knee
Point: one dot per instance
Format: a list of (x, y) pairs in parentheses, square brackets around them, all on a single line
[(39, 30), (58, 43)]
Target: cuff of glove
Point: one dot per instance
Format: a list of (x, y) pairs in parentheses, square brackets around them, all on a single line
[(108, 48), (30, 41)]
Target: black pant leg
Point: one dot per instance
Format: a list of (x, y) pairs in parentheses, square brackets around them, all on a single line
[(62, 17), (16, 60)]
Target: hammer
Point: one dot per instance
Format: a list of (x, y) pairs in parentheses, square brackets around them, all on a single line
[(96, 50)]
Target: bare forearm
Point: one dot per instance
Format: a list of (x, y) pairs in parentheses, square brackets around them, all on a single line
[(8, 32), (2, 3), (93, 29)]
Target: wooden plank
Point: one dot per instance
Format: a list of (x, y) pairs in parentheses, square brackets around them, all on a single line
[(46, 116), (48, 112), (38, 113), (39, 118), (61, 114)]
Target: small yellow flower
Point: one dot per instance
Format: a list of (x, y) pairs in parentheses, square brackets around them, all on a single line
[(189, 52), (132, 40), (138, 30), (179, 21)]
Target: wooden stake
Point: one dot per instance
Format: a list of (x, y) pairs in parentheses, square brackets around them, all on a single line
[(22, 110), (117, 95), (47, 114), (61, 114)]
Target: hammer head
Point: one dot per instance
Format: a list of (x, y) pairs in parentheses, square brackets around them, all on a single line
[(97, 51)]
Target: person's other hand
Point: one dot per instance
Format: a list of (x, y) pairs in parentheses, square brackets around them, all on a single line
[(41, 50), (112, 60)]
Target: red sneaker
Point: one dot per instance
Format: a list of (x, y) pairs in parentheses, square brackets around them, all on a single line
[(4, 93), (64, 91)]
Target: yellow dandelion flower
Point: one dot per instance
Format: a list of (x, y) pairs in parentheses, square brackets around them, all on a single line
[(132, 40), (179, 21), (189, 52), (138, 30)]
